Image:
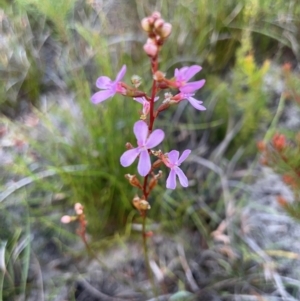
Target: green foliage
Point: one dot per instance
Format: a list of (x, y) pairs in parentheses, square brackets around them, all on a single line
[(20, 73), (243, 102), (54, 10), (248, 97)]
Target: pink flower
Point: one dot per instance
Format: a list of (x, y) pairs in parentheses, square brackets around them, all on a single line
[(197, 104), (173, 162), (144, 143), (110, 88), (183, 75), (145, 103)]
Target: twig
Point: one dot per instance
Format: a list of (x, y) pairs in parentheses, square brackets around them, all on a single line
[(275, 120), (276, 277), (97, 294), (229, 207), (187, 270), (40, 175)]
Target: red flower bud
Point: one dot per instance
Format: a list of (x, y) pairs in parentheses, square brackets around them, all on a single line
[(279, 141), (156, 15), (166, 30), (159, 23), (151, 49), (146, 24)]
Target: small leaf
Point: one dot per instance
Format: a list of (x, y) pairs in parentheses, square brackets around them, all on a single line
[(182, 296)]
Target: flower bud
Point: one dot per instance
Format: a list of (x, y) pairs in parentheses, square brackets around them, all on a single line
[(156, 15), (159, 76), (156, 164), (78, 208), (128, 145), (144, 205), (149, 234), (279, 141), (151, 49), (282, 201), (135, 202), (153, 181), (163, 107), (261, 145), (166, 30), (151, 41), (146, 25), (136, 80), (66, 219), (159, 23), (151, 20), (133, 180)]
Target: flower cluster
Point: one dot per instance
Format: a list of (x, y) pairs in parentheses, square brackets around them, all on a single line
[(146, 137), (80, 217), (282, 155)]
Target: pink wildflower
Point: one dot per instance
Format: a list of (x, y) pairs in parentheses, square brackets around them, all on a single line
[(173, 162), (144, 143), (110, 88), (145, 103), (183, 75), (197, 104)]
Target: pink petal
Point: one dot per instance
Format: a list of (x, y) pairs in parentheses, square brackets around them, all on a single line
[(101, 96), (129, 156), (144, 165), (191, 72), (176, 73), (103, 82), (184, 155), (192, 87), (182, 177), (155, 138), (171, 181), (121, 74), (173, 156), (146, 107), (182, 72), (196, 104), (139, 99), (140, 130), (156, 98)]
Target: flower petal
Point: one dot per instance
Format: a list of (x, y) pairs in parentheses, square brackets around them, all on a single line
[(129, 156), (155, 138), (171, 181), (140, 130), (121, 74), (184, 155), (176, 73), (192, 87), (103, 82), (173, 156), (180, 75), (182, 177), (144, 165), (191, 72), (139, 99), (196, 104), (101, 96)]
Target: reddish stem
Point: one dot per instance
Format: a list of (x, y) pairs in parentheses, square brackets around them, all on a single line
[(154, 64)]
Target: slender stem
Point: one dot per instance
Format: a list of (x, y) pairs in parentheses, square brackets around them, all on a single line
[(154, 64), (145, 192), (146, 255), (152, 117)]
